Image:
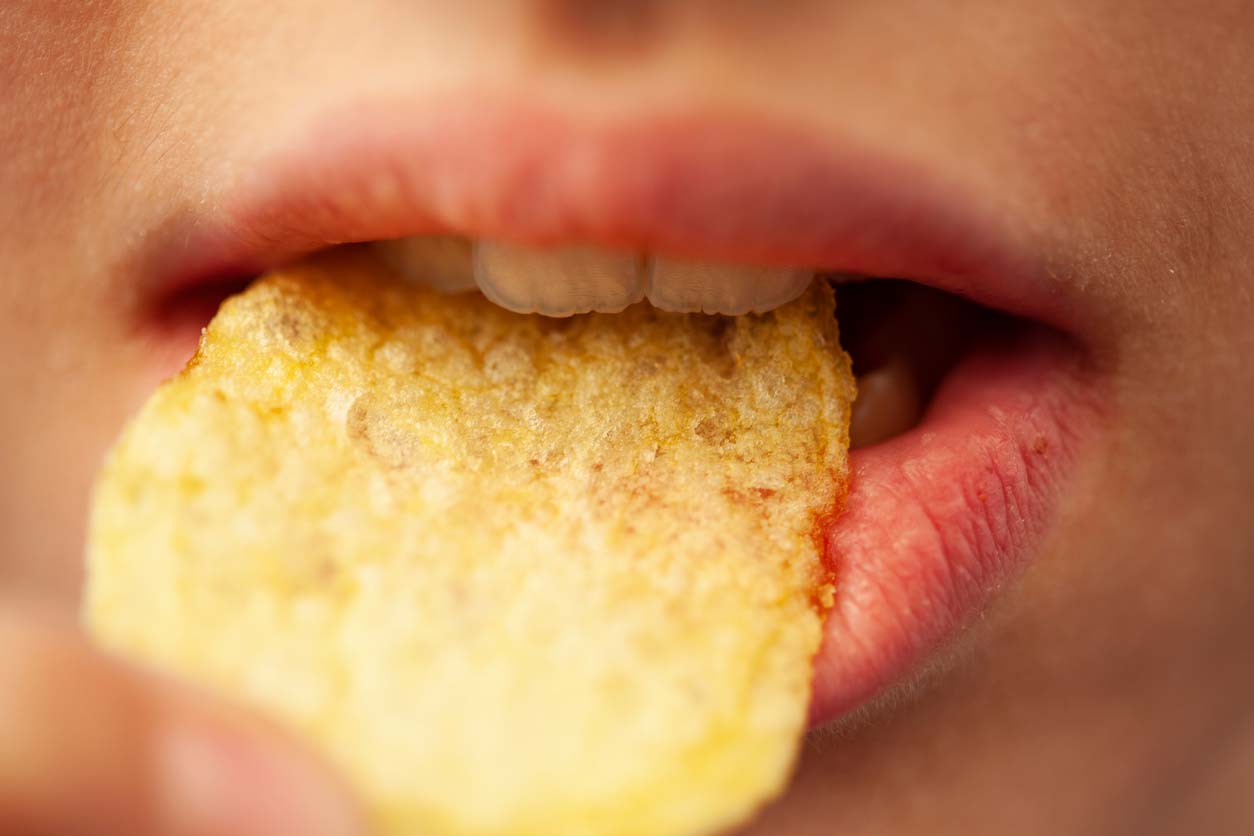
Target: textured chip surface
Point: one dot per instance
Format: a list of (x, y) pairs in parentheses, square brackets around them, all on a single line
[(513, 575)]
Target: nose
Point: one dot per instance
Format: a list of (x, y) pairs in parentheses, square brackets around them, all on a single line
[(598, 27)]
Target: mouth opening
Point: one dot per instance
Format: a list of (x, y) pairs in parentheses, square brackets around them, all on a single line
[(967, 421), (904, 339), (179, 316)]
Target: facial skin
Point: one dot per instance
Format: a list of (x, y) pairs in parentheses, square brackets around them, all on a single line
[(1110, 691)]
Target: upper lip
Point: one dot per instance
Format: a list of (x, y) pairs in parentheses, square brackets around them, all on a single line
[(722, 186), (725, 187)]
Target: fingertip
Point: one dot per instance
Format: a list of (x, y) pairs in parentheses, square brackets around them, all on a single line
[(96, 746), (215, 777)]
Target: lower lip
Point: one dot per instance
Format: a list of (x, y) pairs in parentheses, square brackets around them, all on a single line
[(941, 517)]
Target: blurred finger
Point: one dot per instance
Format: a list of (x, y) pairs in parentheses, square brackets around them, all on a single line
[(91, 746)]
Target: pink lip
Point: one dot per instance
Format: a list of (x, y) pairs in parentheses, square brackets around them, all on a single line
[(941, 517), (938, 518)]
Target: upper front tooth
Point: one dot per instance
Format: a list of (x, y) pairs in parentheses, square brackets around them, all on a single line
[(558, 282), (443, 262), (569, 280), (734, 289)]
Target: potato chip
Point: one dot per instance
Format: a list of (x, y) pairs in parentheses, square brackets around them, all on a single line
[(514, 575)]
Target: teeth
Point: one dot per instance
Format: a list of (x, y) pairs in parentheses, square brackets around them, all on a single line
[(443, 262), (570, 280), (678, 285), (558, 282)]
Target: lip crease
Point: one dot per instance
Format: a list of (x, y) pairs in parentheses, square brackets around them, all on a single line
[(937, 519)]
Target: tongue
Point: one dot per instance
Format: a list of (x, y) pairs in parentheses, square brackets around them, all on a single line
[(888, 404), (904, 338)]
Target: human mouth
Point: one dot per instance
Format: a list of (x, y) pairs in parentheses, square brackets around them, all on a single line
[(966, 437)]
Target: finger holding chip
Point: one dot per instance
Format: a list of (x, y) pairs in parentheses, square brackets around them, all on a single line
[(97, 747)]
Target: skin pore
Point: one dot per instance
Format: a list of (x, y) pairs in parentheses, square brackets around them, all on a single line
[(1110, 691)]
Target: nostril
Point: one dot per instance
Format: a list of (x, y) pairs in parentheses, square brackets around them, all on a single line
[(600, 28)]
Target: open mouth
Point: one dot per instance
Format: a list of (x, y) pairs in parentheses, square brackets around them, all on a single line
[(975, 393)]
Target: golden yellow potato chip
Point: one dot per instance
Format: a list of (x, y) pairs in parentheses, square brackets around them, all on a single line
[(514, 575)]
